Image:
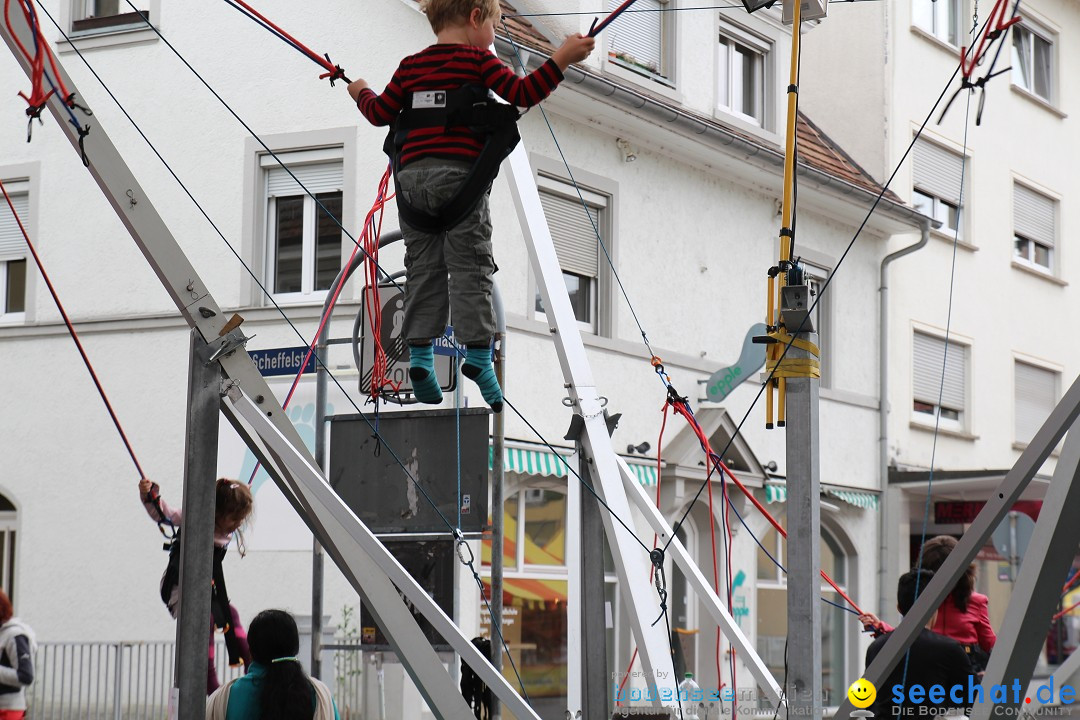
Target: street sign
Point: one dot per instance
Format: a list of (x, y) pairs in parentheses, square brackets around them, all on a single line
[(1011, 539), (282, 361), (392, 301)]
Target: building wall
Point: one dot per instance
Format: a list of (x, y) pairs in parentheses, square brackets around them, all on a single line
[(695, 239)]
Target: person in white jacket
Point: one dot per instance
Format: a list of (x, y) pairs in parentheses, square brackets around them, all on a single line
[(17, 647)]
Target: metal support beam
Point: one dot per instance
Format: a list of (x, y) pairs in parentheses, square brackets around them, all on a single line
[(596, 683), (1037, 589), (974, 538), (702, 587), (631, 560), (367, 567), (803, 547), (197, 539)]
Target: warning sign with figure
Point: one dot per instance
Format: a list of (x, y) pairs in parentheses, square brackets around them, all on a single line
[(392, 302)]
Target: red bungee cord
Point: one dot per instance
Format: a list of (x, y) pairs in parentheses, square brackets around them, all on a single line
[(71, 331)]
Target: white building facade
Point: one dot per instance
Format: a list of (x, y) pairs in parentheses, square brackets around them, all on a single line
[(673, 132)]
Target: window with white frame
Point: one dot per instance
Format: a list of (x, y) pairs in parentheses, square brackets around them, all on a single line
[(1034, 228), (1036, 394), (772, 610), (576, 229), (13, 252), (740, 75), (643, 39), (303, 215), (937, 174), (940, 18), (1033, 61), (106, 14), (936, 394)]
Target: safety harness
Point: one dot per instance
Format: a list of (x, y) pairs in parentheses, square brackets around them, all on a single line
[(470, 106), (219, 595)]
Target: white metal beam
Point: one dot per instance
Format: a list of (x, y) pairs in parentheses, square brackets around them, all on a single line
[(631, 561), (701, 586)]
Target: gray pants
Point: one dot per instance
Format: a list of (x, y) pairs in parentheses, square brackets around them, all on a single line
[(463, 253)]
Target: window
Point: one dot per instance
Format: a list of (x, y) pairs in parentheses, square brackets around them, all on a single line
[(574, 230), (101, 14), (1036, 394), (772, 611), (1034, 228), (13, 252), (641, 40), (929, 357), (1033, 62), (940, 18), (815, 277), (937, 175), (303, 234), (740, 77)]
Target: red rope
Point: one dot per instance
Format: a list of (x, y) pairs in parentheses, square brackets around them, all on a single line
[(380, 382), (71, 331), (681, 409), (38, 95)]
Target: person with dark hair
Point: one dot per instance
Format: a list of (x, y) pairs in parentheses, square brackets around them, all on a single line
[(276, 686), (965, 614), (16, 661), (933, 659)]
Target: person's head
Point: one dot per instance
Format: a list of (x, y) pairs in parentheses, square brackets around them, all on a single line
[(934, 552), (232, 505), (910, 586), (446, 14), (286, 692), (6, 611)]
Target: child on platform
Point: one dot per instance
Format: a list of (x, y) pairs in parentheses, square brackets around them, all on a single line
[(433, 163)]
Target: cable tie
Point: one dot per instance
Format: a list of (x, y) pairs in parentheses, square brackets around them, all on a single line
[(83, 132), (786, 232), (793, 89), (70, 102)]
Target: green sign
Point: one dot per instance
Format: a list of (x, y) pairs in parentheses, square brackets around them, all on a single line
[(752, 359)]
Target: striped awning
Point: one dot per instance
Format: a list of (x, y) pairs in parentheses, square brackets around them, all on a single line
[(543, 462), (777, 492)]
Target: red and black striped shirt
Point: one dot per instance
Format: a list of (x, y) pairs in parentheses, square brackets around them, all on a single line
[(447, 67)]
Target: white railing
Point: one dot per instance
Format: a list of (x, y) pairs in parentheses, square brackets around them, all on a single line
[(131, 681)]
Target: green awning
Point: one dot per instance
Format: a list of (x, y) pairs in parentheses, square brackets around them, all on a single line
[(777, 492), (545, 463)]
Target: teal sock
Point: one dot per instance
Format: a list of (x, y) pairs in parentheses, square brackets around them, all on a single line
[(477, 367), (422, 373)]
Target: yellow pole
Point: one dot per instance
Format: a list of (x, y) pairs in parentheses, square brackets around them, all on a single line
[(788, 205)]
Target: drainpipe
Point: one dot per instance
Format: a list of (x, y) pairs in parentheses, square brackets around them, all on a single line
[(884, 581)]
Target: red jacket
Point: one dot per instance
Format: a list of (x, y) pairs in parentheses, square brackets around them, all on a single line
[(967, 627)]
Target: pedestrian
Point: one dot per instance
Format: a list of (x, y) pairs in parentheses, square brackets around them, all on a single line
[(276, 686), (933, 659), (232, 508), (964, 615), (17, 647), (447, 139)]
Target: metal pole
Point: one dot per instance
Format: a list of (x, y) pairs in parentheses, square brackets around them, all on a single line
[(498, 479), (197, 538), (803, 684), (596, 690), (321, 373)]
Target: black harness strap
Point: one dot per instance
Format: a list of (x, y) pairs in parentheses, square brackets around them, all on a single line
[(470, 106)]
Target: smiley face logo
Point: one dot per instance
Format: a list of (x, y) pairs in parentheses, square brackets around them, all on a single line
[(862, 693)]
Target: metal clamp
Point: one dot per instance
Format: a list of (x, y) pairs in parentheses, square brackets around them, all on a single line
[(229, 344)]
